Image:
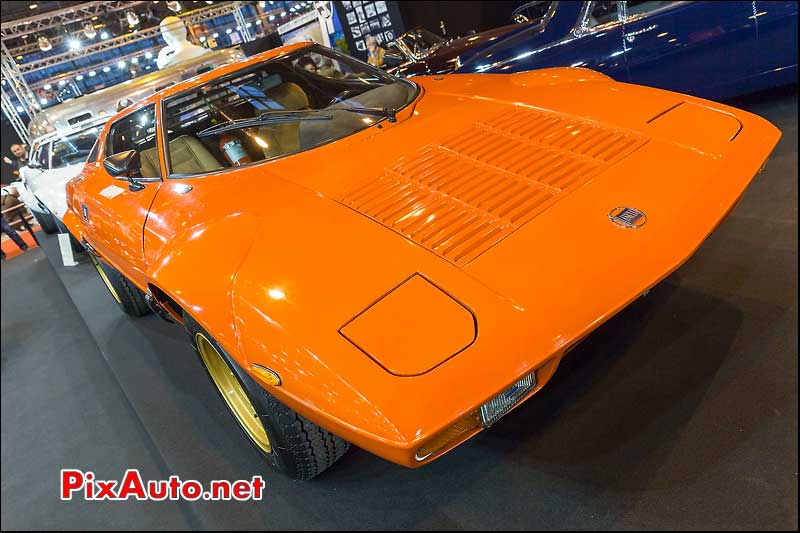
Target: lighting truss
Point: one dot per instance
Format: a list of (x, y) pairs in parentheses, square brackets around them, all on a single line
[(61, 17), (192, 17)]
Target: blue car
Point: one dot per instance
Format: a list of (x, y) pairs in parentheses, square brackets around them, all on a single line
[(713, 50)]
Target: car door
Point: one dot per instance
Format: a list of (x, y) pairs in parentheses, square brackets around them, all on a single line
[(115, 213), (702, 48)]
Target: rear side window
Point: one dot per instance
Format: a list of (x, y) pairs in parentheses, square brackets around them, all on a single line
[(136, 131)]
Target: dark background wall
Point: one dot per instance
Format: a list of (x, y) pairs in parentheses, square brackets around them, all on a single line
[(459, 17)]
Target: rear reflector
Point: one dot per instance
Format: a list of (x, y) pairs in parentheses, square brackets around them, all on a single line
[(498, 406)]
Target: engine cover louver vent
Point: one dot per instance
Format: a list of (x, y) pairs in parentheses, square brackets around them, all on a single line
[(460, 197)]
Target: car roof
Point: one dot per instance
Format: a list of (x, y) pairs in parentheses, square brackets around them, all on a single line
[(210, 75)]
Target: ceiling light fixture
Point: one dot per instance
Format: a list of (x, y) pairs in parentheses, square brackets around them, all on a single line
[(89, 31), (132, 18), (174, 6), (44, 43)]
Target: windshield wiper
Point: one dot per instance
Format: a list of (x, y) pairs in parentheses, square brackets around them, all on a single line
[(268, 117), (385, 112)]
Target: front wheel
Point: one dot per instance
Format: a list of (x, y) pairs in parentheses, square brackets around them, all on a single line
[(127, 295), (290, 443)]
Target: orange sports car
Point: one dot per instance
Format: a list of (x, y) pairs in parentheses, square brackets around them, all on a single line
[(397, 264)]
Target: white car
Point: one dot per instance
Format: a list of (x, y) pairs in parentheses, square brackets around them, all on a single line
[(55, 159)]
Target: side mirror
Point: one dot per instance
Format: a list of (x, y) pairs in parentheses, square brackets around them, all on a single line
[(125, 165), (393, 59)]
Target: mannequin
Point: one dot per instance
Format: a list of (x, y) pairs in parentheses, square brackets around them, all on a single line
[(178, 47)]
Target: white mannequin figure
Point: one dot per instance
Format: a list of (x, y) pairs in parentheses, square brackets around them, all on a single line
[(178, 47)]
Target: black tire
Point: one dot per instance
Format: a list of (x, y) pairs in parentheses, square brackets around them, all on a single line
[(127, 295), (300, 449), (46, 222), (75, 244)]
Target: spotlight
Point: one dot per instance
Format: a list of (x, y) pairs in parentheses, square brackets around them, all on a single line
[(20, 109), (43, 101), (258, 22), (148, 55), (44, 43), (106, 69), (215, 35), (121, 64), (104, 35), (61, 83), (202, 38), (271, 18), (132, 19), (174, 6), (89, 31), (79, 77), (228, 31), (47, 87), (74, 44), (92, 73)]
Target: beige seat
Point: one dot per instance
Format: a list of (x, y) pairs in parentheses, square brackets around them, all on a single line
[(187, 156), (284, 138)]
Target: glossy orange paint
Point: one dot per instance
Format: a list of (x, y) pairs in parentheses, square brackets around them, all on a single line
[(495, 189)]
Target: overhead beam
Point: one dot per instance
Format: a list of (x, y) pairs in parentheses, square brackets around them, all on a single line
[(60, 17)]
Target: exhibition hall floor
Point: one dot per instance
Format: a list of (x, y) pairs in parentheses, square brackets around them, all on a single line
[(679, 413)]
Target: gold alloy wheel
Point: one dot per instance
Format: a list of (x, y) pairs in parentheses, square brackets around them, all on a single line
[(105, 279), (232, 392)]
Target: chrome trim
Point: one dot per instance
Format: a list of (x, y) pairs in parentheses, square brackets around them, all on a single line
[(418, 458)]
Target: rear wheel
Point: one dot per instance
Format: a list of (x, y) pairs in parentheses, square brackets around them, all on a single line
[(127, 295), (290, 443)]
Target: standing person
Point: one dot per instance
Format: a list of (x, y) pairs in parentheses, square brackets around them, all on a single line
[(9, 195), (375, 52), (21, 153)]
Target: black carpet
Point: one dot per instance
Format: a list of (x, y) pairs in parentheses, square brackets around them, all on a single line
[(679, 413)]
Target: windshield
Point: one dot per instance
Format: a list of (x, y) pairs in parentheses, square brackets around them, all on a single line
[(420, 41), (290, 104), (72, 149)]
